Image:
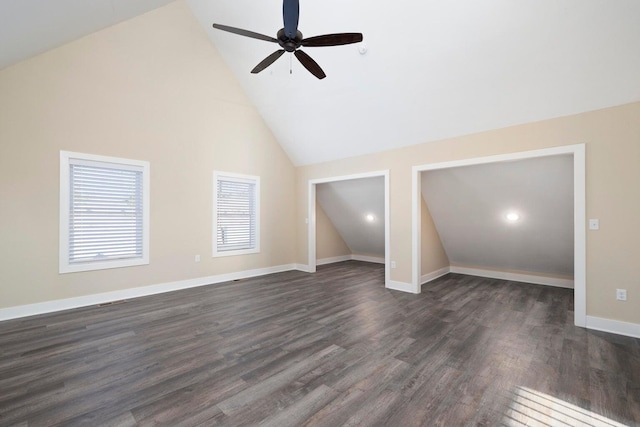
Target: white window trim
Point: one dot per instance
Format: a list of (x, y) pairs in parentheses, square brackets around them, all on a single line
[(65, 266), (256, 179)]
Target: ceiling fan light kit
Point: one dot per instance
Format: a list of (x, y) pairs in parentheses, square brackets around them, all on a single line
[(290, 39)]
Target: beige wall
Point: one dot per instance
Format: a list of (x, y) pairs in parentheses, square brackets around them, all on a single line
[(154, 89), (432, 254), (612, 138), (329, 243)]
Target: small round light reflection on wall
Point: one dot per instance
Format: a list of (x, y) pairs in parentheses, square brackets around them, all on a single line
[(512, 217), (370, 217)]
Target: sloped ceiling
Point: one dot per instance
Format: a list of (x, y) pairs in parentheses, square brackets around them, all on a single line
[(469, 204), (347, 203), (29, 27), (434, 69)]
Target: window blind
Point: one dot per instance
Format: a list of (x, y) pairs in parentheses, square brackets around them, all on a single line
[(105, 212), (236, 214)]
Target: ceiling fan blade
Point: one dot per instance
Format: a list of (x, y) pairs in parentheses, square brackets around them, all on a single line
[(332, 39), (245, 33), (290, 15), (310, 64), (267, 61)]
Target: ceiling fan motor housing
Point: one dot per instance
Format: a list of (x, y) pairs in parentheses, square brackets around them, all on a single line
[(289, 44), (290, 40)]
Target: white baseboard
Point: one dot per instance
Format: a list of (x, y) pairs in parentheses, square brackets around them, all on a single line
[(352, 257), (366, 258), (302, 267), (595, 323), (515, 277), (102, 298), (324, 261), (426, 278), (396, 286), (613, 326), (402, 286)]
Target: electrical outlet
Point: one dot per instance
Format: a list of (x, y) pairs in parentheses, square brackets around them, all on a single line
[(621, 294), (393, 264), (197, 258)]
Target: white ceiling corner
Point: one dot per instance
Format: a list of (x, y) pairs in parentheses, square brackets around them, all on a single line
[(30, 27)]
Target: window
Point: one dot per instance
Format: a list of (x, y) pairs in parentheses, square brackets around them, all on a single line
[(104, 212), (236, 214)]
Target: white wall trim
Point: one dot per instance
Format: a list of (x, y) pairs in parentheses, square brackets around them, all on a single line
[(416, 227), (531, 154), (426, 278), (331, 260), (402, 286), (311, 219), (366, 258), (580, 234), (579, 194), (302, 267), (613, 326), (515, 277), (102, 298)]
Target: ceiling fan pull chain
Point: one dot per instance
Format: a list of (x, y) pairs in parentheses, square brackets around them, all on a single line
[(290, 63)]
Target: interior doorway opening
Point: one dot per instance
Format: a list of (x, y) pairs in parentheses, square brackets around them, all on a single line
[(577, 154), (347, 208)]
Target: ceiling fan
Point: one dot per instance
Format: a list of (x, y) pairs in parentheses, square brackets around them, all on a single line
[(290, 40)]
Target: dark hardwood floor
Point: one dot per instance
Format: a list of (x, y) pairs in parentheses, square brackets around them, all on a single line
[(329, 349)]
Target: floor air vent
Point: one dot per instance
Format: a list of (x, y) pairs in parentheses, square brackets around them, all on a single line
[(107, 304)]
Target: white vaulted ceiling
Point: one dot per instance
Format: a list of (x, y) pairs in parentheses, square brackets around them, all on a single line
[(469, 204), (29, 27), (434, 68)]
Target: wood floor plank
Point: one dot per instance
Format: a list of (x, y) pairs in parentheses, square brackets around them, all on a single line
[(298, 412), (236, 403), (326, 349)]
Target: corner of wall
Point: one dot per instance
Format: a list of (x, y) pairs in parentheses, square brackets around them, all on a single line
[(430, 277), (403, 287)]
